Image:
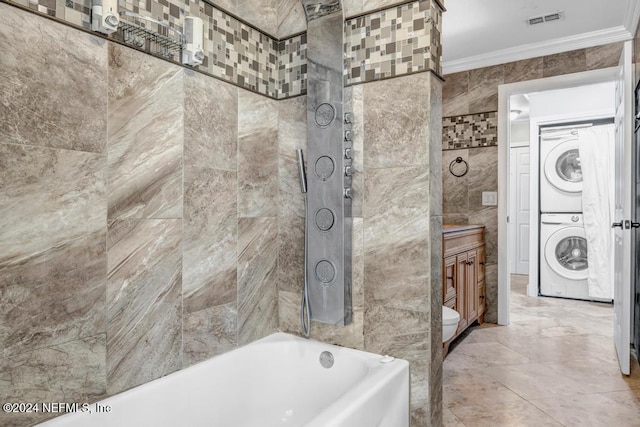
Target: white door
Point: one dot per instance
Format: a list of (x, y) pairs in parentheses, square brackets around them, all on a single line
[(519, 215), (623, 200)]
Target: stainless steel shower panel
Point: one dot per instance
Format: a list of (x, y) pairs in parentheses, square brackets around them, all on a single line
[(329, 221)]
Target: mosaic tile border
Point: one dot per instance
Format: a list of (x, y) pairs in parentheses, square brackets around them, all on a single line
[(292, 67), (402, 39), (389, 43), (468, 131)]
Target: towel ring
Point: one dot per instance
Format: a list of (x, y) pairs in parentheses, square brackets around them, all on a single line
[(459, 170)]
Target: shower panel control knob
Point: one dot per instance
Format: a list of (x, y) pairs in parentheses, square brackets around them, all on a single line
[(348, 171), (348, 152), (347, 193), (347, 117), (347, 135)]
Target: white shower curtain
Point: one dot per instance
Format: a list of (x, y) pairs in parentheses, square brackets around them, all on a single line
[(596, 159)]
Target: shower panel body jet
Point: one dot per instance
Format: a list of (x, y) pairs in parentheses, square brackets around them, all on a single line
[(329, 222)]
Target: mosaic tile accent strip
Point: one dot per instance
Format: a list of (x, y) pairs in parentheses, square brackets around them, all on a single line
[(388, 43), (292, 67), (473, 130), (239, 53), (400, 40), (436, 38)]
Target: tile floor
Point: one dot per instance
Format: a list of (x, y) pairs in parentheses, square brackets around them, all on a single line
[(554, 365)]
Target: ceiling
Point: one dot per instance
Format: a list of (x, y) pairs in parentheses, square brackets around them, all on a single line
[(480, 33)]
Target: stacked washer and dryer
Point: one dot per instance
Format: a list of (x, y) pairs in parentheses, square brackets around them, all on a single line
[(563, 244)]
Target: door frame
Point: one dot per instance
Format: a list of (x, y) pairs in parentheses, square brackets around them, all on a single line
[(504, 93)]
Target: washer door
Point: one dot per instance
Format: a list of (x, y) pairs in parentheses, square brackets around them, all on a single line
[(566, 253), (562, 166)]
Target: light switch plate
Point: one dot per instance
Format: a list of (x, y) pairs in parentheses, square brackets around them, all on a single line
[(489, 198)]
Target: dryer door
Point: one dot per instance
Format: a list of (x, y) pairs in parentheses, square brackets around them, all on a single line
[(562, 166), (566, 253)]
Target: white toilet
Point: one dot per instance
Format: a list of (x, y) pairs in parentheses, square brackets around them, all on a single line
[(450, 319)]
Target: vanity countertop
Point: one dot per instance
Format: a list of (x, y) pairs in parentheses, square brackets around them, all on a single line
[(451, 228)]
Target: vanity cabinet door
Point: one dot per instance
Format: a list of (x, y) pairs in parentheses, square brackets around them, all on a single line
[(471, 284), (449, 281), (461, 294)]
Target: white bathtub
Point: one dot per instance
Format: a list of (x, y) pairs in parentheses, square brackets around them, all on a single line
[(276, 381)]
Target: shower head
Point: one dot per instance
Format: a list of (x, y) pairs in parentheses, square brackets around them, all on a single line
[(317, 8)]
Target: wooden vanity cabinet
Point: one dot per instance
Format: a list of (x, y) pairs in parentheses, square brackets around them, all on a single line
[(463, 282)]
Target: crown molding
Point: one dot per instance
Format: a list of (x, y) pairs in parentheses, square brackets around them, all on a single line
[(549, 47), (632, 17)]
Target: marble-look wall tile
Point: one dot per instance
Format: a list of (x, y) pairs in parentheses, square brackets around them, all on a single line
[(291, 252), (455, 218), (144, 301), (61, 104), (54, 296), (434, 378), (483, 88), (456, 189), (291, 18), (145, 138), (53, 246), (209, 332), (419, 362), (257, 155), (395, 112), (262, 14), (370, 5), (211, 236), (527, 69), (289, 311), (403, 334), (455, 94), (394, 331), (210, 124), (352, 7), (292, 135), (487, 216), (565, 63), (491, 281), (357, 264), (70, 372), (257, 280), (396, 235), (482, 175), (209, 265), (604, 56), (230, 6)]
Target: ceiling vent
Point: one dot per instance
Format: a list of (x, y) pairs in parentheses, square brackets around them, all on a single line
[(556, 16)]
